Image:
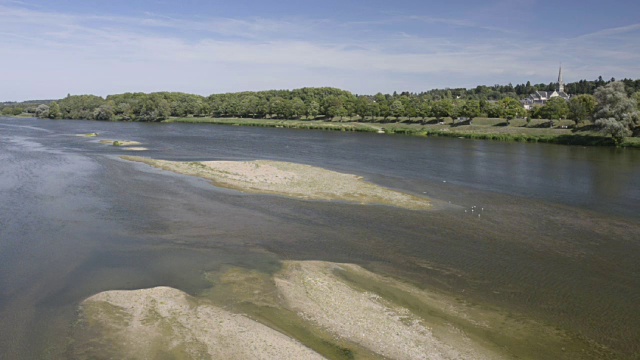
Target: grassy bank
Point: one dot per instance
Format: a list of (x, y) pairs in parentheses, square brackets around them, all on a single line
[(289, 124), (481, 128)]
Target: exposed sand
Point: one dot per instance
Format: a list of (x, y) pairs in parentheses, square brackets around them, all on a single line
[(135, 148), (292, 180), (319, 295), (165, 322), (120, 142)]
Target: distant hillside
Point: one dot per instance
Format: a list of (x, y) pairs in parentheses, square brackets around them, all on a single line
[(14, 108), (27, 103)]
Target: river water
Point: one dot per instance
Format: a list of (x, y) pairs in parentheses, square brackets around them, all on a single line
[(548, 232)]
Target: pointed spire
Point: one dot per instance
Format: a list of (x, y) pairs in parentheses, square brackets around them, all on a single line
[(560, 81)]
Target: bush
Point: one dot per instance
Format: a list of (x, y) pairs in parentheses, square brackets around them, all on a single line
[(613, 127)]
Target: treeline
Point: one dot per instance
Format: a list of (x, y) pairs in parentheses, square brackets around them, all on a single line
[(326, 103), (306, 103), (521, 91), (13, 108)]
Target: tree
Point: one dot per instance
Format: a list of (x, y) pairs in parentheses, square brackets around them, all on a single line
[(103, 112), (424, 109), (510, 108), (397, 109), (374, 110), (314, 109), (54, 111), (79, 106), (298, 107), (334, 106), (636, 97), (615, 106), (152, 107), (280, 107), (125, 110), (582, 107), (492, 109), (12, 110), (470, 109), (42, 111), (362, 107), (441, 109), (614, 128), (249, 106), (555, 108)]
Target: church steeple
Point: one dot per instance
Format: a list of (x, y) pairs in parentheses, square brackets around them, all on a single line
[(560, 82)]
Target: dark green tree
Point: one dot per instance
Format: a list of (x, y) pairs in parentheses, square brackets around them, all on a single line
[(556, 108), (470, 109), (582, 107), (54, 111), (397, 108), (511, 108), (441, 109), (298, 108), (314, 109), (103, 112)]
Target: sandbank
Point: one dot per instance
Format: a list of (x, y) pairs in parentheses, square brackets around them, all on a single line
[(317, 292), (342, 309), (168, 323), (291, 180), (319, 309), (120, 142), (135, 148)]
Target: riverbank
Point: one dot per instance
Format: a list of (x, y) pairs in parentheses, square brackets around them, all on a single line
[(481, 128), (291, 180), (517, 130)]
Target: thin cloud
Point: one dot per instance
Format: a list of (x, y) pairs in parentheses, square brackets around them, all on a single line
[(611, 31), (110, 54)]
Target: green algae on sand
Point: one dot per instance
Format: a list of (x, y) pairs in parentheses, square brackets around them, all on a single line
[(313, 309)]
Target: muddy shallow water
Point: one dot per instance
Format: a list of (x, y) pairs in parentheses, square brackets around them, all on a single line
[(541, 232)]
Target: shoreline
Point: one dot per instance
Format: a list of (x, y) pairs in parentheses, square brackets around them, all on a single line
[(482, 129)]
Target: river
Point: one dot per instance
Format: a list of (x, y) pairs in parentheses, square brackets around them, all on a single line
[(545, 231)]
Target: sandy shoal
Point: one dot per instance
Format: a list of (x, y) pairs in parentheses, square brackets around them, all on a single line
[(120, 142), (318, 294), (162, 321), (292, 180)]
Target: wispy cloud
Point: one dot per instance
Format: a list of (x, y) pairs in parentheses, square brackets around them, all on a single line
[(54, 53), (633, 28)]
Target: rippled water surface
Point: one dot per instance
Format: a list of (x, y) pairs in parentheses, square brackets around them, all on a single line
[(548, 232)]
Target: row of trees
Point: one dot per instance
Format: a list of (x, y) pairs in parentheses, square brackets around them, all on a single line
[(259, 104), (312, 103), (301, 103), (520, 91), (613, 106)]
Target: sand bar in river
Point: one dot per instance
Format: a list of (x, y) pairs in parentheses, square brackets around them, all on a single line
[(292, 180)]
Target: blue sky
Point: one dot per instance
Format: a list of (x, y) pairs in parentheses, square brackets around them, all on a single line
[(51, 48)]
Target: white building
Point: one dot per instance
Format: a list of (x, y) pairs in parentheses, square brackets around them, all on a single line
[(540, 98)]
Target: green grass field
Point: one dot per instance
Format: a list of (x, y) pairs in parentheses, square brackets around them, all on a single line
[(535, 130)]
